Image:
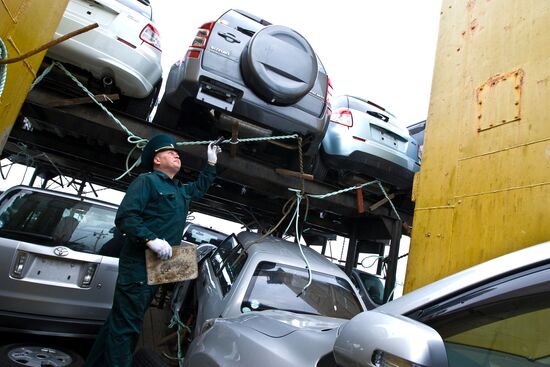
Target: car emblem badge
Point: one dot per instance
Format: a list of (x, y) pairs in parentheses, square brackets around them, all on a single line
[(61, 251)]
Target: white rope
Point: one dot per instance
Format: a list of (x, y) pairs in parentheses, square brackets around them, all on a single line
[(3, 67)]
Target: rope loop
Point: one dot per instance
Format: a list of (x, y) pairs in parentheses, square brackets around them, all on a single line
[(3, 67)]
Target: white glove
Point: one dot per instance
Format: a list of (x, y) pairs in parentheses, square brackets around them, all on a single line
[(161, 247), (212, 153)]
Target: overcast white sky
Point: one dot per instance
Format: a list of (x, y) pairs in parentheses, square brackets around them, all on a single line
[(381, 50)]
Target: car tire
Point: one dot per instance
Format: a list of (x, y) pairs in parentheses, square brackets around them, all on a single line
[(32, 354), (146, 357), (166, 115), (320, 171), (142, 107), (279, 65)]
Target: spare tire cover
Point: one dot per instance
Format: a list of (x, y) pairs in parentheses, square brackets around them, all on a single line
[(279, 65)]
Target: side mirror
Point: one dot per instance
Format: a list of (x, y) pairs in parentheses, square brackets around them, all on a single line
[(376, 339)]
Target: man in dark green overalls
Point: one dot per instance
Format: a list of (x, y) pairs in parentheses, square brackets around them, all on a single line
[(152, 214)]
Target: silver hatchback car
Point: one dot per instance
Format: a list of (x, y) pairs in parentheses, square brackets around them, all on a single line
[(121, 56), (260, 306), (496, 314), (366, 139)]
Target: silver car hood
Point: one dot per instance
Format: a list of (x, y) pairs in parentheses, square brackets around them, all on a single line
[(277, 323)]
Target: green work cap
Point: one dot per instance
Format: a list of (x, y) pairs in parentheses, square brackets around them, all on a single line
[(156, 144)]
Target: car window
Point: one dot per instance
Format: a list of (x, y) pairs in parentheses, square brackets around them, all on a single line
[(502, 325), (51, 220), (280, 286), (227, 262), (373, 285), (140, 6), (197, 235)]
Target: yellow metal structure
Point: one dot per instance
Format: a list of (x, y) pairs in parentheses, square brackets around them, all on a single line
[(24, 26), (484, 186)]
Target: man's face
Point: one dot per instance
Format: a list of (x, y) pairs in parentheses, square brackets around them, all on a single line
[(167, 161)]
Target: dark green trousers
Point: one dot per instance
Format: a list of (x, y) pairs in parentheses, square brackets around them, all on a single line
[(116, 342)]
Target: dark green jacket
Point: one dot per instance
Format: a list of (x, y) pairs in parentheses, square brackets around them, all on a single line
[(156, 206)]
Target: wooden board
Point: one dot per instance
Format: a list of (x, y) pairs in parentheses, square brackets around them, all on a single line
[(181, 266)]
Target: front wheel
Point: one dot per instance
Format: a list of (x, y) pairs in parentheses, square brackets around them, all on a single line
[(142, 107), (35, 355)]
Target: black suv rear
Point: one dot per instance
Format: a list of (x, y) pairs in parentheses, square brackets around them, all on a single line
[(243, 73)]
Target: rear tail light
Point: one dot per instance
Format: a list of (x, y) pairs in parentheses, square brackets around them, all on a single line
[(151, 35), (342, 116), (88, 276), (328, 97), (19, 266), (203, 33), (194, 54)]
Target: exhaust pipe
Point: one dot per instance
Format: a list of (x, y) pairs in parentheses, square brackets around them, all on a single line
[(107, 83)]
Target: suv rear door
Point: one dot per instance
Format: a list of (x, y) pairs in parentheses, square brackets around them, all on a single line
[(227, 39)]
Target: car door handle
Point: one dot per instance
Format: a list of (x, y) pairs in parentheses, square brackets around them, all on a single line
[(229, 37)]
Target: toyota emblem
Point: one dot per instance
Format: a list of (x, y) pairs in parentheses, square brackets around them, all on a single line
[(61, 251)]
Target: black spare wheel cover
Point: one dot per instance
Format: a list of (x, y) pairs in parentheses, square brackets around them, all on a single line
[(279, 65)]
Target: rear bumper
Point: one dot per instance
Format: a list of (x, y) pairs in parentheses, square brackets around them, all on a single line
[(134, 70), (185, 78), (45, 325), (374, 166)]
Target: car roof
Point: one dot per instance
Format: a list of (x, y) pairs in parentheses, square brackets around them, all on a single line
[(277, 248), (472, 277), (59, 194)]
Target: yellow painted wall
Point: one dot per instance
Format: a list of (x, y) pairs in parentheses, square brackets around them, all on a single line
[(484, 186), (24, 25)]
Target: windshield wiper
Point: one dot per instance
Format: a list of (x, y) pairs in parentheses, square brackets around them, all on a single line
[(28, 234)]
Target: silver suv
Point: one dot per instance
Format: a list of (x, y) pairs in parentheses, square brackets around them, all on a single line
[(365, 139), (243, 73), (55, 280)]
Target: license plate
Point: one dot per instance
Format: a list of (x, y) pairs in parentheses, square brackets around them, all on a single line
[(46, 269), (387, 139)]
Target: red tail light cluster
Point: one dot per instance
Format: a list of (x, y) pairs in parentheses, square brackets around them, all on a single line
[(151, 35), (342, 116), (202, 35), (200, 40)]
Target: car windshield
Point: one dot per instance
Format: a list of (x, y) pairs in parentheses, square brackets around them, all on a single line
[(279, 286), (197, 235), (52, 220)]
